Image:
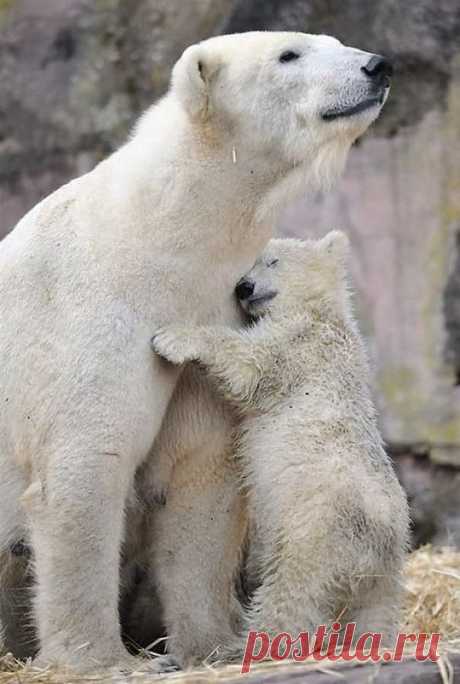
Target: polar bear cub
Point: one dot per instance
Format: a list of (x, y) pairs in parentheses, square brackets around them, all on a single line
[(331, 516)]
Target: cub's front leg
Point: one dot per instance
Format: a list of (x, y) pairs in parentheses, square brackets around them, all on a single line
[(231, 358)]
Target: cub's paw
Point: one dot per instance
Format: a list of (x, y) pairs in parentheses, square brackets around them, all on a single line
[(156, 496), (159, 664), (153, 483), (143, 664), (142, 669), (175, 344)]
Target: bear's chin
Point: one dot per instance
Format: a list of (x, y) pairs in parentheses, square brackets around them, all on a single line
[(373, 100), (352, 110)]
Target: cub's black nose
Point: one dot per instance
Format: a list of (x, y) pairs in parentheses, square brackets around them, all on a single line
[(244, 289), (378, 68)]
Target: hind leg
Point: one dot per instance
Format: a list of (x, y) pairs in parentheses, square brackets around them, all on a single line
[(379, 610), (14, 575), (75, 514), (196, 535), (199, 534)]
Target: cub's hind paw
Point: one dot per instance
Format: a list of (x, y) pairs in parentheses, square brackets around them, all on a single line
[(167, 663), (159, 664)]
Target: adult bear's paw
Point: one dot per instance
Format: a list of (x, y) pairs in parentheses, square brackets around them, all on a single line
[(125, 665)]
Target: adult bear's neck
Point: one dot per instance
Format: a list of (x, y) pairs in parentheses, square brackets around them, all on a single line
[(206, 185)]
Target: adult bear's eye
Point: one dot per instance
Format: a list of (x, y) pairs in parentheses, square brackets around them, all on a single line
[(272, 263), (289, 56)]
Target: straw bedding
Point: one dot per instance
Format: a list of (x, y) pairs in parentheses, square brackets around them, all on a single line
[(432, 604)]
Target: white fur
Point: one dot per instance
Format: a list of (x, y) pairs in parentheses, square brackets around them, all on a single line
[(156, 234), (331, 517), (194, 539)]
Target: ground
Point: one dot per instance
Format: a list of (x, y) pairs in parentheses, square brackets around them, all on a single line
[(432, 604)]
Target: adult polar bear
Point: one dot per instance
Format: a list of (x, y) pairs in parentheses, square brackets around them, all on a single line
[(90, 272)]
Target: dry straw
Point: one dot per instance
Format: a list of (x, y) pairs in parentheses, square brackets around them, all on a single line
[(432, 605), (433, 594)]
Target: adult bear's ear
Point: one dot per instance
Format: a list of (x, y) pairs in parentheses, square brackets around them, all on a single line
[(191, 80)]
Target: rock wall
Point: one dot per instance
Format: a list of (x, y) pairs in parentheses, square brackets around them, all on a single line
[(74, 74)]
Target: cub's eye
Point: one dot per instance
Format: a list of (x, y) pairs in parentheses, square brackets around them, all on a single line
[(289, 56), (272, 263)]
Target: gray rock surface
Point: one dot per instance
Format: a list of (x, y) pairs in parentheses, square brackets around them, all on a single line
[(75, 74)]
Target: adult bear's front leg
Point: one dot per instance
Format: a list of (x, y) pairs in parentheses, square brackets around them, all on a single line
[(76, 516)]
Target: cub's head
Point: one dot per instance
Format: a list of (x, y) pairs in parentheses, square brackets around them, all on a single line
[(296, 97), (295, 276)]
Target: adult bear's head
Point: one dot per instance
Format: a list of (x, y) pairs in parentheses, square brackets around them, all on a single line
[(296, 98)]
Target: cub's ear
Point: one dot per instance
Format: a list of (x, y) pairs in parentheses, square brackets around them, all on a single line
[(191, 79), (337, 245)]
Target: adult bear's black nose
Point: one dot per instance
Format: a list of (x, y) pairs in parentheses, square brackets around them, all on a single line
[(244, 289), (378, 68)]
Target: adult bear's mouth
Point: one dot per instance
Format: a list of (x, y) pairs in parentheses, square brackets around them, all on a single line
[(368, 103)]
